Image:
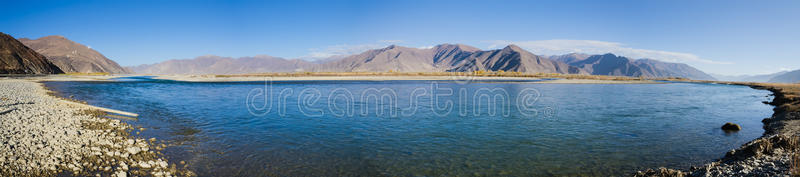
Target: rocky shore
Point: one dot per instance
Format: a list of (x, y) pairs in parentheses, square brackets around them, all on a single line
[(773, 154), (43, 136)]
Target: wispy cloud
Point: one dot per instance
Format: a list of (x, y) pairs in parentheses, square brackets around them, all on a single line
[(557, 47), (391, 41), (345, 49)]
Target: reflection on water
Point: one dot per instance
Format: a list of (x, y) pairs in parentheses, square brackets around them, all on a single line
[(594, 129)]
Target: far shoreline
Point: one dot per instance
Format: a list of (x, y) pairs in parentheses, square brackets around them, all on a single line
[(461, 77)]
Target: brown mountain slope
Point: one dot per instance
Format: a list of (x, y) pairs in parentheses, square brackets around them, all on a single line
[(16, 58), (73, 57)]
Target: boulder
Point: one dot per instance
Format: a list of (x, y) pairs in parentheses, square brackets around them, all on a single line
[(731, 127)]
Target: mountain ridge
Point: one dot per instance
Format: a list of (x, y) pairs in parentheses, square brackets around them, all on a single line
[(611, 64), (461, 58), (212, 64)]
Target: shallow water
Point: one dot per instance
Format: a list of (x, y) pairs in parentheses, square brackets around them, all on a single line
[(560, 129)]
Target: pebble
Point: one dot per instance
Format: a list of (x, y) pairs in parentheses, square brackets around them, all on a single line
[(49, 137)]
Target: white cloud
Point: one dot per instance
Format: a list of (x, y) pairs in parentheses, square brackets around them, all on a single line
[(558, 47), (345, 49), (342, 49), (391, 41)]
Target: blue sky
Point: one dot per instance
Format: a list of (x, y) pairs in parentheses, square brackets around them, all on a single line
[(725, 37)]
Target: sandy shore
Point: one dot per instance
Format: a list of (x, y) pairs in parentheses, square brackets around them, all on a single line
[(42, 135)]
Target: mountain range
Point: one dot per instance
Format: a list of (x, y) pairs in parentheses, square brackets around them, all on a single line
[(440, 58), (610, 64), (787, 77), (211, 64), (748, 78), (16, 58), (446, 58), (73, 57), (69, 56), (778, 77)]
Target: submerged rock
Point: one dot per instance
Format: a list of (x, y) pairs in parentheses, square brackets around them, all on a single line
[(661, 172), (731, 127)]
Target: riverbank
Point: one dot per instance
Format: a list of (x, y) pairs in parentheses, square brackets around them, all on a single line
[(382, 76), (773, 154), (42, 135)]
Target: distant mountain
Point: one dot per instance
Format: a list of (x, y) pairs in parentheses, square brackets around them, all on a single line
[(613, 65), (392, 58), (665, 69), (73, 57), (16, 58), (610, 64), (441, 58), (447, 58), (788, 77), (748, 78), (514, 58), (569, 58), (211, 64)]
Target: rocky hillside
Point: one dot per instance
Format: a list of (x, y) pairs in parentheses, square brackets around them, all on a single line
[(73, 57), (16, 58), (211, 64)]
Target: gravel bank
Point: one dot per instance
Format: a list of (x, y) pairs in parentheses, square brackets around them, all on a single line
[(774, 154), (42, 136)]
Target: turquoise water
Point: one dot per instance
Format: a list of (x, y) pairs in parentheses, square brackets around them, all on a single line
[(543, 129)]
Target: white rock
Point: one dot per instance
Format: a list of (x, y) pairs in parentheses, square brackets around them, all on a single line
[(144, 165), (133, 150)]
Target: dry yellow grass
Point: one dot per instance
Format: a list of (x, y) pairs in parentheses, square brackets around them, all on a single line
[(87, 74)]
